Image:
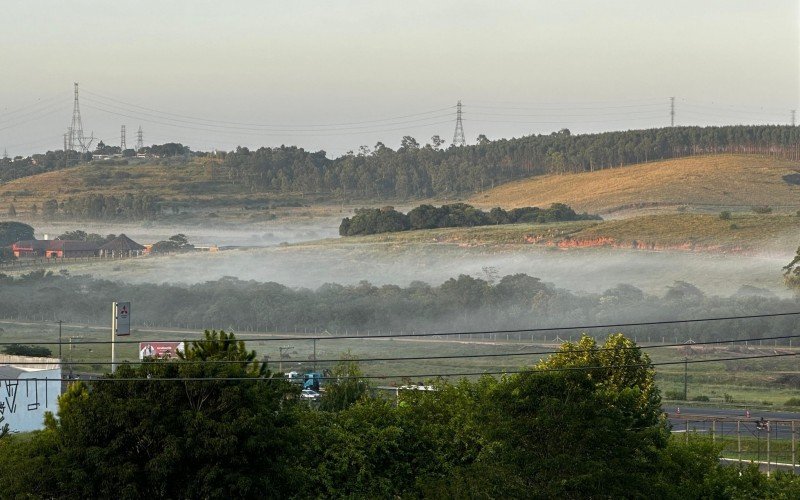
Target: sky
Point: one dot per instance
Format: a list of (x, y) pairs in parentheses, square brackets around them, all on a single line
[(338, 75)]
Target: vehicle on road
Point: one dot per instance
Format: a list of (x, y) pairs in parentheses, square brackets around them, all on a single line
[(309, 395)]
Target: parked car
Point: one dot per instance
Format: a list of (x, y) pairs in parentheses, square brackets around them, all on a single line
[(309, 394)]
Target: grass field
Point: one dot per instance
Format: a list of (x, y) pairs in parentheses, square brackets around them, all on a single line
[(750, 382), (743, 232), (719, 182)]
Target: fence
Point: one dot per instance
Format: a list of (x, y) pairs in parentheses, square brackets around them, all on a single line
[(772, 444)]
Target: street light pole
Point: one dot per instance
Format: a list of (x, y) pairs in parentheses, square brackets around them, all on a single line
[(59, 341)]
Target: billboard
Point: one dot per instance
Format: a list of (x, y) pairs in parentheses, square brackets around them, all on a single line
[(166, 350), (122, 318)]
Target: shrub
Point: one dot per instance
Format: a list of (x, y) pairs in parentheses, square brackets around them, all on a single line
[(28, 350), (673, 395), (762, 209), (701, 398), (734, 226), (725, 215), (792, 402)]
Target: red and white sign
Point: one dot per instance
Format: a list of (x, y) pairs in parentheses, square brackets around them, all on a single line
[(165, 350)]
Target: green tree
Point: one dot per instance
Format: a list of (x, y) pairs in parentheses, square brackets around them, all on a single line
[(11, 232), (208, 425), (344, 388)]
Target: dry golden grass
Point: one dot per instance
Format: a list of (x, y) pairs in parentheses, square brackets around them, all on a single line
[(684, 232), (716, 182), (177, 182)]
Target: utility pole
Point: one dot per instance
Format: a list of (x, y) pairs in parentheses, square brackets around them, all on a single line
[(60, 361), (458, 136), (122, 145), (280, 360), (685, 378), (671, 111), (794, 111), (315, 354)]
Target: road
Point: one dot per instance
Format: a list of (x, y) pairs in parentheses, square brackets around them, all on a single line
[(723, 421)]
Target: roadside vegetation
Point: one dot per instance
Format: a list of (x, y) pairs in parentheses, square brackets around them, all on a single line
[(216, 423)]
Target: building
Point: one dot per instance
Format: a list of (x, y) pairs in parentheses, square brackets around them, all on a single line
[(29, 387), (30, 248), (121, 246), (54, 249), (66, 248)]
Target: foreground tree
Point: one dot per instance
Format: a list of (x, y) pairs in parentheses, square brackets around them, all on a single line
[(209, 425)]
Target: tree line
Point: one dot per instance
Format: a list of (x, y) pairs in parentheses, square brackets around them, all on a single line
[(415, 171), (584, 423), (462, 303), (387, 219), (97, 206)]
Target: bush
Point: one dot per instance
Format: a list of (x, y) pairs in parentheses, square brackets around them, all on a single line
[(725, 215), (701, 398), (675, 395), (792, 402), (28, 350), (734, 226), (762, 209)]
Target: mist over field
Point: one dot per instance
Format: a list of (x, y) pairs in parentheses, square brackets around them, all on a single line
[(579, 270), (210, 232)]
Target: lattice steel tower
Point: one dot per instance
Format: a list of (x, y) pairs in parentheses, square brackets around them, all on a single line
[(75, 138), (139, 139), (458, 136), (122, 145)]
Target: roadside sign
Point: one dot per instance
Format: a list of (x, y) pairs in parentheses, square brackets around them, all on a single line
[(165, 350), (122, 318)]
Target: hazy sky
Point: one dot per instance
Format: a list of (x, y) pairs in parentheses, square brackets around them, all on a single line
[(311, 73)]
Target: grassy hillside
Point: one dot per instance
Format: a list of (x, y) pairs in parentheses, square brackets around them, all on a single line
[(686, 232), (180, 181), (711, 182)]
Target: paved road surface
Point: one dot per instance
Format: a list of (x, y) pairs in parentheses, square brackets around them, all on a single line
[(724, 421)]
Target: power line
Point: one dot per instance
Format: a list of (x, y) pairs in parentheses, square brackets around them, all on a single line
[(263, 133), (425, 375), (482, 332), (263, 125), (414, 358)]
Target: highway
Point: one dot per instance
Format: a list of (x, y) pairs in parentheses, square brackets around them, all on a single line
[(724, 421)]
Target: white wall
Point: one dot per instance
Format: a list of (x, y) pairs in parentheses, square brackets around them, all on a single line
[(23, 401)]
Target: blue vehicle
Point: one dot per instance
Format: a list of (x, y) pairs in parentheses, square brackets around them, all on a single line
[(311, 381)]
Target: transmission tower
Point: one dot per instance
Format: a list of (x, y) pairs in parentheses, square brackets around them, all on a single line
[(458, 136), (122, 145), (671, 111), (76, 138), (5, 154), (793, 113), (139, 139)]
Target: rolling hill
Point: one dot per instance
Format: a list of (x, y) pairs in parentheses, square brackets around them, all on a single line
[(734, 182)]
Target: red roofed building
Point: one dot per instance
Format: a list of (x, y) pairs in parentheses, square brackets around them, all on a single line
[(54, 249)]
